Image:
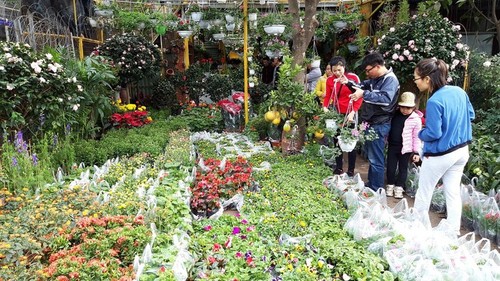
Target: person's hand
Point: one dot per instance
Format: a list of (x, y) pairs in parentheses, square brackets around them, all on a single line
[(415, 158), (325, 109), (342, 80), (350, 116), (356, 95)]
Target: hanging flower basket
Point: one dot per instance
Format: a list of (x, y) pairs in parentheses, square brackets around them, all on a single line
[(252, 16), (196, 16), (331, 124), (352, 48), (103, 12), (184, 33), (92, 22), (275, 29), (229, 18), (347, 146), (340, 25), (218, 36)]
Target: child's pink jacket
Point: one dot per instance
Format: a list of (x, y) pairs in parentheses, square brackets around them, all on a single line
[(413, 124)]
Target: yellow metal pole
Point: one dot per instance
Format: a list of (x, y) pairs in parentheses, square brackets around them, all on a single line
[(245, 57), (80, 46), (186, 53)]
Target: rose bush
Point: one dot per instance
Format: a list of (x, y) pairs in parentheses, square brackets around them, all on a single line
[(135, 56), (425, 35)]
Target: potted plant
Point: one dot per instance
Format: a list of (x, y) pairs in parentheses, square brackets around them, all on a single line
[(274, 23)]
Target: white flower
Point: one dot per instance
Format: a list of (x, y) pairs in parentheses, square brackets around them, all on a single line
[(460, 46), (80, 88), (73, 79), (10, 87), (60, 100), (76, 106), (427, 40), (42, 80), (395, 56), (7, 55), (397, 47), (392, 29), (411, 43), (2, 68), (452, 54), (52, 68), (36, 67), (48, 56), (456, 27), (406, 52), (410, 57), (401, 58), (250, 58), (487, 63)]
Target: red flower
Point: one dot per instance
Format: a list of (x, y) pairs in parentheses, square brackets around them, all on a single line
[(62, 278), (216, 247)]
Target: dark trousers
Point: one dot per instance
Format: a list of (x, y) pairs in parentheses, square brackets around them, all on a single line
[(399, 162), (351, 161)]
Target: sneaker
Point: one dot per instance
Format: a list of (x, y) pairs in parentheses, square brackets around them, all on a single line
[(389, 190), (398, 192)]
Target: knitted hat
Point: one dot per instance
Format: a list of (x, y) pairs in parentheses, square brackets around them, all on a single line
[(407, 99)]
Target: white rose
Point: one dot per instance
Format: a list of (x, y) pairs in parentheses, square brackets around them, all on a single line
[(76, 106), (395, 56), (397, 47), (48, 56), (487, 63)]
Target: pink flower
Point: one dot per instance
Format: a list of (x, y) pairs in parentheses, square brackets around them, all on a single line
[(207, 228), (236, 230), (216, 247), (251, 228), (244, 221), (238, 255)]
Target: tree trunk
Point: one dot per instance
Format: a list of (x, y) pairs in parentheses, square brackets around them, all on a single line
[(302, 32)]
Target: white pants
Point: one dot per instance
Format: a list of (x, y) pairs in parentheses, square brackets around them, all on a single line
[(450, 168)]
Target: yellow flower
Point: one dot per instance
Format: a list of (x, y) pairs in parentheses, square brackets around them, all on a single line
[(85, 213), (321, 263), (303, 223), (131, 106), (290, 267), (149, 119)]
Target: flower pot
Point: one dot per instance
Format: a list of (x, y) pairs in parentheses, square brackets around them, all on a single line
[(221, 1), (218, 36), (252, 16), (331, 124), (340, 24), (346, 146), (274, 29), (196, 16), (205, 24), (269, 53), (352, 48), (185, 33)]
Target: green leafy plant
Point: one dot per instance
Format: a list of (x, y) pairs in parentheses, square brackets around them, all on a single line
[(36, 91)]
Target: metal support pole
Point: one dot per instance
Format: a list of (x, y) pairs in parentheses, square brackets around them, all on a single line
[(186, 53), (245, 57)]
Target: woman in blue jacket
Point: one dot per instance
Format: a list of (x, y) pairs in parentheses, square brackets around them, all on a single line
[(446, 136)]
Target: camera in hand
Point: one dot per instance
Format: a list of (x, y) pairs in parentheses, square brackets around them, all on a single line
[(351, 84)]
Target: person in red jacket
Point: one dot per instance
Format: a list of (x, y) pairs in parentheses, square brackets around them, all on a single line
[(337, 98)]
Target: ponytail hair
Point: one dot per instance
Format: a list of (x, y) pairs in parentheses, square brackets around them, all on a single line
[(436, 70)]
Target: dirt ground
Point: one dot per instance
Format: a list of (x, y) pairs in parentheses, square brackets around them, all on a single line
[(362, 169)]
